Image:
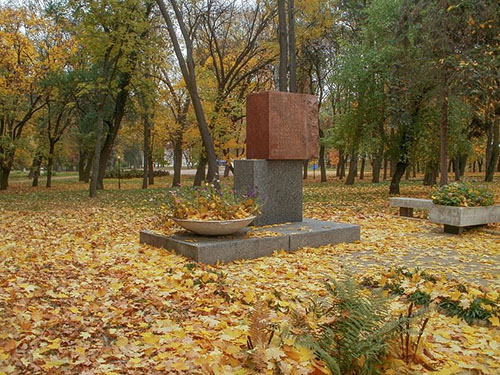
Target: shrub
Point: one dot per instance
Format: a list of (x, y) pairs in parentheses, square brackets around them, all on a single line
[(462, 194), (133, 173)]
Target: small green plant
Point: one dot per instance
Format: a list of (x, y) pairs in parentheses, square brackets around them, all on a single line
[(480, 309), (351, 329), (409, 343), (470, 304), (462, 194)]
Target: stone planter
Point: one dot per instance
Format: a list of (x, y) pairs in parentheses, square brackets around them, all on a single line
[(214, 227), (455, 219)]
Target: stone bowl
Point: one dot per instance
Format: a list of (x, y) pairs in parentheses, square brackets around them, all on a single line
[(214, 227)]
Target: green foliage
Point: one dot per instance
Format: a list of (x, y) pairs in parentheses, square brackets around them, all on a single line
[(452, 299), (420, 298), (133, 173), (479, 309), (462, 194), (354, 329)]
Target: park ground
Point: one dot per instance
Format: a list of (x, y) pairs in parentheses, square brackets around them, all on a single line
[(80, 295)]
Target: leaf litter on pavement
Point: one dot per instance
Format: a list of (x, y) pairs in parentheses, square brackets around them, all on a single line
[(79, 294)]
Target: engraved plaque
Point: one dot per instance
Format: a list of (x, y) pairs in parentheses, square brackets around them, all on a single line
[(282, 126)]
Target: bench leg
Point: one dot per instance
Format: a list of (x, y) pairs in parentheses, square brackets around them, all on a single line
[(406, 211), (453, 229)]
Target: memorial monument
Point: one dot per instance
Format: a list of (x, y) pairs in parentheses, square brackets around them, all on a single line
[(282, 131)]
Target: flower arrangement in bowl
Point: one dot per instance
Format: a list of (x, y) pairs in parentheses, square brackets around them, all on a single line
[(212, 212), (462, 194)]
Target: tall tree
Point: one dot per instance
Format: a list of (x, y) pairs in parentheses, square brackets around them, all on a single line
[(187, 66), (21, 93), (283, 42)]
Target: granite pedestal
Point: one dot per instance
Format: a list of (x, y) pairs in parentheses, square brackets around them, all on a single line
[(277, 185), (292, 236)]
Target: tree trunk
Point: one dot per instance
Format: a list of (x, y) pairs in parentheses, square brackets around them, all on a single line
[(456, 168), (4, 178), (339, 164), (177, 160), (305, 165), (385, 167), (407, 173), (443, 131), (362, 169), (97, 148), (377, 165), (31, 174), (342, 167), (430, 174), (283, 42), (200, 172), (81, 164), (151, 171), (491, 163), (353, 169), (50, 162), (399, 171), (109, 140), (88, 169), (37, 163), (291, 47), (5, 167), (321, 160), (147, 142)]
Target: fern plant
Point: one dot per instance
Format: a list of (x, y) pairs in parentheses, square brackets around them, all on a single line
[(354, 330)]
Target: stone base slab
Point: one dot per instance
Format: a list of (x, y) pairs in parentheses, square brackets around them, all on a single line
[(293, 236)]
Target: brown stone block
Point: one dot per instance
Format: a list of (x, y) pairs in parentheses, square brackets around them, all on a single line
[(282, 126)]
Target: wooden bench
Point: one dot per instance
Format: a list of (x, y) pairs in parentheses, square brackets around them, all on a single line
[(406, 205)]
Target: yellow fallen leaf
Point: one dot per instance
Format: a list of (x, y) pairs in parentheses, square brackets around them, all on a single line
[(274, 353), (150, 338), (74, 310), (121, 341), (494, 320), (249, 297), (3, 356), (453, 370), (180, 366), (305, 354)]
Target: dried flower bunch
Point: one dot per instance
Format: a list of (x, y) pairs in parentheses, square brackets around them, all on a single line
[(208, 203)]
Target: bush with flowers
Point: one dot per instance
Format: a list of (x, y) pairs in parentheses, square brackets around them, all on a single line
[(209, 203), (462, 194)]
